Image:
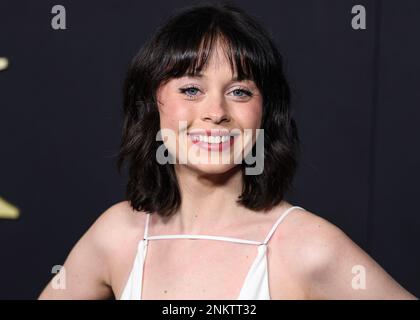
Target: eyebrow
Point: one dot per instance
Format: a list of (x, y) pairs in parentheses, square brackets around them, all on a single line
[(200, 75)]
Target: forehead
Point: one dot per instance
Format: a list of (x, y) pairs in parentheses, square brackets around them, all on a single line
[(219, 58), (210, 60), (215, 59), (217, 64)]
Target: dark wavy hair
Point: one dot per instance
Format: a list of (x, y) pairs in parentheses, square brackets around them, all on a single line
[(182, 45)]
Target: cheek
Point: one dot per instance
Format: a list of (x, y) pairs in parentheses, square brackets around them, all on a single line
[(172, 112), (249, 116), (175, 116)]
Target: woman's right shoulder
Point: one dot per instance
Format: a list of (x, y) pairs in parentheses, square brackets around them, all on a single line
[(116, 233), (115, 227), (91, 264), (120, 219)]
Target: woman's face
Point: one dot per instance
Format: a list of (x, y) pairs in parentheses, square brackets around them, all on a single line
[(211, 119)]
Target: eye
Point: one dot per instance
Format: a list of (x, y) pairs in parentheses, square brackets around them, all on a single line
[(244, 93), (190, 92)]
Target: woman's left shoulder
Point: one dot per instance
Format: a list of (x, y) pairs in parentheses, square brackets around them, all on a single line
[(310, 238), (309, 228), (329, 264)]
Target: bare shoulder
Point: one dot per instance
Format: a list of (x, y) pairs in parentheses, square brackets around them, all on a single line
[(113, 226), (117, 231), (328, 264), (121, 213), (119, 217), (119, 221), (311, 236), (90, 265)]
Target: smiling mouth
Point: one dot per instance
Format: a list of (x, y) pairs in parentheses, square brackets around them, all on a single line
[(213, 142)]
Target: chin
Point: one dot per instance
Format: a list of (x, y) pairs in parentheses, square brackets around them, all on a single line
[(213, 168)]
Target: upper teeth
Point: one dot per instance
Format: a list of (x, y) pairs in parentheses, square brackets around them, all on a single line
[(210, 139)]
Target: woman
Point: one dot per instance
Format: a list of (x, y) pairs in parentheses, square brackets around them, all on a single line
[(195, 227)]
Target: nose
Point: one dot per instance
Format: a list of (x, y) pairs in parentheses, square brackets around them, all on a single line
[(216, 112)]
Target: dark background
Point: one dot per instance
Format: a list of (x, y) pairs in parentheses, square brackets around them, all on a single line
[(356, 104)]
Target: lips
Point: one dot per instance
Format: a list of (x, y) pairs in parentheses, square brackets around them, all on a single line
[(221, 146), (212, 139), (209, 132)]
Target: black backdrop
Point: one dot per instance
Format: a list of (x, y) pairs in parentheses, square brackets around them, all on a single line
[(356, 103)]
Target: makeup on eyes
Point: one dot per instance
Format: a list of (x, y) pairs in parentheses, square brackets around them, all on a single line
[(247, 92)]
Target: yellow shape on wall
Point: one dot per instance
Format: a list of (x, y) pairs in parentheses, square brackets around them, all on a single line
[(7, 210), (4, 63)]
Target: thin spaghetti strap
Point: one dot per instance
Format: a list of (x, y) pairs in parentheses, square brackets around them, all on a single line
[(146, 228), (284, 214), (206, 237)]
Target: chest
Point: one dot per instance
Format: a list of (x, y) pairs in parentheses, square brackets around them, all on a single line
[(205, 269), (198, 269)]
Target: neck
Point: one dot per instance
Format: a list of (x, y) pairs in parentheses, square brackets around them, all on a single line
[(208, 200)]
